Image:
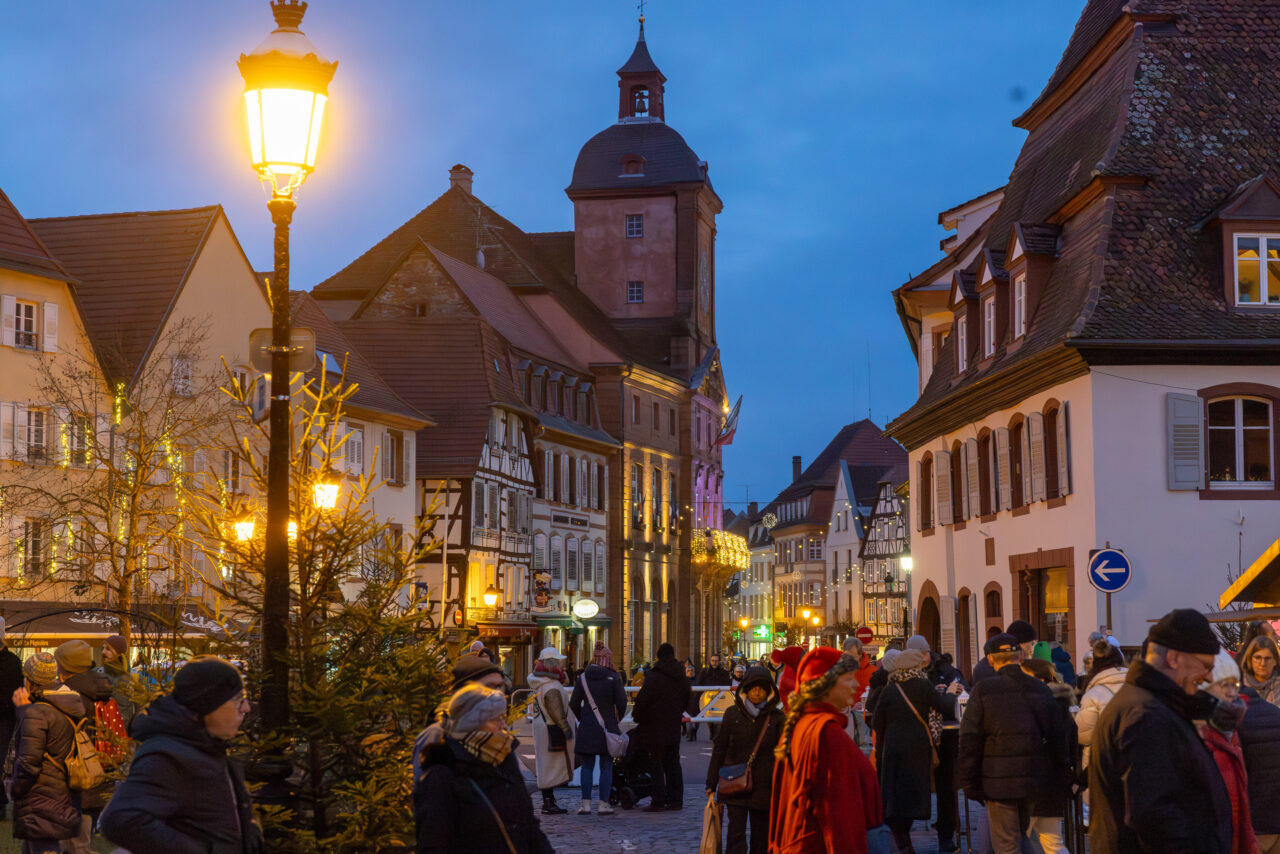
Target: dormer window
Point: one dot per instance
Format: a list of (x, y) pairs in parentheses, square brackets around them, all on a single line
[(632, 165), (1257, 283), (989, 327), (1020, 306), (962, 345)]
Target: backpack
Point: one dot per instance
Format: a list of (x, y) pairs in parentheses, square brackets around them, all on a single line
[(112, 741), (82, 764)]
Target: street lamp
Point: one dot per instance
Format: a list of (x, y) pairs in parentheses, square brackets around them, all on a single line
[(244, 529), (324, 493), (491, 596), (286, 85), (805, 613), (906, 563), (744, 622)]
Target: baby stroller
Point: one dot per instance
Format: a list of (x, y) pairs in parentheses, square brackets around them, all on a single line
[(631, 779)]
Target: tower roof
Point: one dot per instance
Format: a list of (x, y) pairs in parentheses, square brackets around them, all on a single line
[(640, 62), (664, 158)]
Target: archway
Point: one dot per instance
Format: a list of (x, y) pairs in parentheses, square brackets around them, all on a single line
[(930, 623)]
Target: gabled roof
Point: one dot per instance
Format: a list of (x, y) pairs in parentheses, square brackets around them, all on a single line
[(1038, 238), (1257, 198), (456, 369), (372, 392), (21, 250), (131, 268)]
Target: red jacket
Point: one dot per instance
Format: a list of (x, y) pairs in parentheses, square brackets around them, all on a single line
[(1230, 764), (825, 795), (865, 670)]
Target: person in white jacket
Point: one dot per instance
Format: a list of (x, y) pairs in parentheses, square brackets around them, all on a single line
[(554, 729), (1106, 677)]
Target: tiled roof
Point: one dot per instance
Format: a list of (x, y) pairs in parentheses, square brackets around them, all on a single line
[(1038, 238), (20, 249), (454, 369), (372, 391), (640, 61), (668, 159), (130, 268), (558, 250), (575, 428), (1094, 21)]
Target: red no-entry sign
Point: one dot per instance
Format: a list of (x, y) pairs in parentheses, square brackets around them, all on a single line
[(864, 634)]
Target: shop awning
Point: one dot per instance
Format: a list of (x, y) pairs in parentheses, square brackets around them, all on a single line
[(1260, 583), (598, 620), (512, 630), (556, 620)]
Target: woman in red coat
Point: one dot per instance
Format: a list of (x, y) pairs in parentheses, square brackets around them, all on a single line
[(1218, 734), (825, 795)]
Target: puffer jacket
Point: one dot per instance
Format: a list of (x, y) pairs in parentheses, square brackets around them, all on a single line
[(44, 806), (1102, 687), (1259, 734), (183, 795), (737, 737)]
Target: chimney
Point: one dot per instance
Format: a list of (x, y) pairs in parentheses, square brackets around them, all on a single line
[(753, 507), (795, 468), (460, 177)]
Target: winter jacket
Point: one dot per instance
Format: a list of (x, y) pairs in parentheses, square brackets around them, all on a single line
[(123, 683), (982, 670), (1155, 787), (660, 705), (553, 756), (1052, 800), (734, 743), (904, 755), (1013, 739), (44, 806), (1062, 663), (1259, 734), (183, 794), (611, 699), (825, 796), (1102, 687), (714, 676), (1226, 755), (93, 687), (453, 818), (10, 681), (875, 685)]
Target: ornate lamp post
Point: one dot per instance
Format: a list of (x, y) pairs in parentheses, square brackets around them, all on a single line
[(286, 86)]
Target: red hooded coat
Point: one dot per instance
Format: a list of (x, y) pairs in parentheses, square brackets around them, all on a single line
[(789, 658), (825, 795)]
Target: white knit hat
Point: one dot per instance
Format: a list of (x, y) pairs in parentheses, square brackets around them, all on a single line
[(1224, 667)]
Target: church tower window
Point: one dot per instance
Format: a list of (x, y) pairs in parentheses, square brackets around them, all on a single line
[(635, 292)]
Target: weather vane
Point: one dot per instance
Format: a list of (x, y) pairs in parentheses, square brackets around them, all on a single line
[(640, 6)]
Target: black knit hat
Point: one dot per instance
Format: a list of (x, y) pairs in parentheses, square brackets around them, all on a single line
[(1022, 631), (666, 651), (206, 682), (471, 668), (1185, 630)]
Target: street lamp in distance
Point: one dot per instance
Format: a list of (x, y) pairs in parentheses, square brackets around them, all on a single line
[(286, 86), (491, 596)]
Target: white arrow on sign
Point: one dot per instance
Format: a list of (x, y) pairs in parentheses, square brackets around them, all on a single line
[(1106, 571)]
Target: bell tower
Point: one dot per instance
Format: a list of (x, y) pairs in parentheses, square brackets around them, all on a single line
[(640, 85)]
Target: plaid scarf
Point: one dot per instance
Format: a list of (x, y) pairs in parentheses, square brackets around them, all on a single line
[(490, 747)]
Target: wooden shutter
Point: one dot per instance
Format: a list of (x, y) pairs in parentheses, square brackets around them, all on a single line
[(926, 358), (1064, 451), (50, 338), (1004, 469), (406, 464), (974, 646), (477, 504), (6, 430), (20, 431), (1035, 439), (9, 308), (993, 475), (923, 490), (1026, 463), (1185, 441), (947, 609), (973, 476), (942, 487)]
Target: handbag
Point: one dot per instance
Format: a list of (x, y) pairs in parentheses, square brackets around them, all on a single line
[(933, 748), (615, 743), (736, 779), (880, 840), (502, 826)]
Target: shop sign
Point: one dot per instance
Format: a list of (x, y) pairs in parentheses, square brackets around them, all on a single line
[(763, 632), (585, 609)]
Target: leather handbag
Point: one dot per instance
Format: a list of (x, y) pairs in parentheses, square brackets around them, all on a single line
[(615, 743), (736, 779), (933, 748)]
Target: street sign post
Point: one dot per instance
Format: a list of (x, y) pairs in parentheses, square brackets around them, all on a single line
[(1109, 572), (864, 634)]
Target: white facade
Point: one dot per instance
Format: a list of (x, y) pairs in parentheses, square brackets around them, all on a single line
[(844, 571)]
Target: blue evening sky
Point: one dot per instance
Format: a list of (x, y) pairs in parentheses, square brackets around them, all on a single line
[(836, 130)]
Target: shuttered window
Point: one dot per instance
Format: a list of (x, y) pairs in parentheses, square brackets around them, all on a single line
[(973, 479), (1240, 443), (959, 489), (1035, 441), (600, 567), (557, 562), (571, 563), (924, 488), (942, 487)]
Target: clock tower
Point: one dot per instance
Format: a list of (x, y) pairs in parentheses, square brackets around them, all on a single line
[(644, 224)]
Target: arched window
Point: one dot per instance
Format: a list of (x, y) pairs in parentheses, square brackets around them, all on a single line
[(993, 604), (1240, 443)]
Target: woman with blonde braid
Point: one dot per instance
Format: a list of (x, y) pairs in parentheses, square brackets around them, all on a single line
[(825, 795)]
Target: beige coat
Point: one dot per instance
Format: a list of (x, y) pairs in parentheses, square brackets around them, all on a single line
[(553, 767)]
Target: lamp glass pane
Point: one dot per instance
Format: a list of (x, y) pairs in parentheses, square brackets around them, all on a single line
[(317, 119), (286, 128), (253, 112)]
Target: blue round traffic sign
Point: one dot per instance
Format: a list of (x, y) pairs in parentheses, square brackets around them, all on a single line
[(1109, 570)]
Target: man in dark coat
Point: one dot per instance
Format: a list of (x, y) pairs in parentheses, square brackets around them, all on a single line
[(711, 676), (10, 681), (754, 719), (658, 710), (183, 795), (1012, 745), (1259, 733), (1154, 785)]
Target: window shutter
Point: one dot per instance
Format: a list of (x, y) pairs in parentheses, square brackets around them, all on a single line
[(50, 339), (571, 564), (993, 476), (600, 567), (20, 431), (973, 630), (1035, 438), (1186, 441), (947, 610), (557, 563), (926, 358), (942, 487), (1064, 451), (1004, 469), (57, 434), (924, 490), (406, 470), (9, 308), (493, 516), (974, 478), (477, 504), (6, 430), (1026, 462)]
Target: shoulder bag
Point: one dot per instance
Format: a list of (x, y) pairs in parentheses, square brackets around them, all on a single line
[(502, 826), (615, 743), (736, 779), (933, 748)]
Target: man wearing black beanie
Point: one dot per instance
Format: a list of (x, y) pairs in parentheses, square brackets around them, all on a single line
[(659, 708), (182, 792), (1155, 786)]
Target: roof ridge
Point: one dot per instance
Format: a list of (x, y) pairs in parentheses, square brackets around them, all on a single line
[(210, 208)]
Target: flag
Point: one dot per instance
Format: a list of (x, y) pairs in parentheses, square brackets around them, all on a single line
[(730, 425)]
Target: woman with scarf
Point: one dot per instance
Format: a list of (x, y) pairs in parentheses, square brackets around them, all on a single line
[(1218, 734), (749, 734), (553, 729), (905, 743), (825, 797), (1259, 664), (470, 798)]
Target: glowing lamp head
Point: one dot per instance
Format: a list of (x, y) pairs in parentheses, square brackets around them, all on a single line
[(286, 85), (293, 530), (805, 613), (817, 621), (244, 530), (744, 622), (906, 563), (325, 494), (491, 596)]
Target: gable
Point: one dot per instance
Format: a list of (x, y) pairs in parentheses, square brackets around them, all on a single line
[(418, 286)]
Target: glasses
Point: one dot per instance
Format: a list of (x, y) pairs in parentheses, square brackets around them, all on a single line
[(1263, 657)]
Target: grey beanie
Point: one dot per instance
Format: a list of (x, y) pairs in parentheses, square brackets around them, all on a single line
[(918, 642), (889, 659), (472, 706)]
